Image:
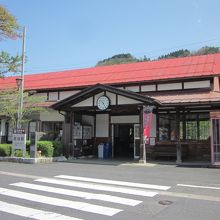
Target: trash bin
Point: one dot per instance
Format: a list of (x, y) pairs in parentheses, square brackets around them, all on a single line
[(107, 150), (101, 151)]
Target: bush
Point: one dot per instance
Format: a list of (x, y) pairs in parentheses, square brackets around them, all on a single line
[(5, 150), (19, 153), (46, 148), (58, 148)]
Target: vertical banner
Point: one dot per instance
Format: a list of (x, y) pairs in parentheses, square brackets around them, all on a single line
[(147, 123)]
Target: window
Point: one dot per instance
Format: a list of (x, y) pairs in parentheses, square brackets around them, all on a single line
[(52, 130), (164, 128), (193, 126)]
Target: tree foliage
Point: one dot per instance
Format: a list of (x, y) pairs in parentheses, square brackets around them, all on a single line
[(185, 53), (128, 58), (117, 59), (9, 29), (207, 50), (9, 100), (178, 53), (120, 59), (9, 63)]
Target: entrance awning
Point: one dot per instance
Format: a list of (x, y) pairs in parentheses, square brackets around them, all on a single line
[(88, 98)]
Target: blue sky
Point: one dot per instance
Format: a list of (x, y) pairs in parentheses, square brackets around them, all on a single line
[(70, 34)]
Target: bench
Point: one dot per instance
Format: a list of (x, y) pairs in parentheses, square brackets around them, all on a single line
[(168, 151)]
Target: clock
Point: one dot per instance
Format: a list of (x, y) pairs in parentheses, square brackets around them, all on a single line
[(103, 102)]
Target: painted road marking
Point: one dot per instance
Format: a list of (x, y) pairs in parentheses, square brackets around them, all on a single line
[(197, 186), (82, 206), (32, 213), (85, 195), (99, 187), (114, 182)]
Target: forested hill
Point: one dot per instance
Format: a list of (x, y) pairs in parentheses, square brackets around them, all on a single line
[(128, 58)]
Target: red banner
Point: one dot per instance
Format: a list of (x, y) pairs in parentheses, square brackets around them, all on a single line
[(147, 123)]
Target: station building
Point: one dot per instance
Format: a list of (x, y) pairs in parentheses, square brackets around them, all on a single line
[(106, 105)]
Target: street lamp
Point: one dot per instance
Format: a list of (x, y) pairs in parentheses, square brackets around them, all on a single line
[(20, 82)]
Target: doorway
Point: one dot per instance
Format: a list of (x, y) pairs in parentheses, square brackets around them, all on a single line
[(124, 140)]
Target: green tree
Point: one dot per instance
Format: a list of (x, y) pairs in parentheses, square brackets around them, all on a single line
[(175, 54), (9, 29), (9, 100), (118, 59), (9, 63), (207, 50)]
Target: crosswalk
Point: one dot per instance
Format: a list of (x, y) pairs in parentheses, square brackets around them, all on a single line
[(81, 194)]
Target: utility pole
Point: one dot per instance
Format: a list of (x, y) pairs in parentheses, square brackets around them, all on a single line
[(22, 77)]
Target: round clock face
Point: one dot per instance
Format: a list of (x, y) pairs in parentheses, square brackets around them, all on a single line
[(103, 102)]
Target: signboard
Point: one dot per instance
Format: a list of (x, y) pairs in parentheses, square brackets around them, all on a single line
[(147, 123), (19, 139)]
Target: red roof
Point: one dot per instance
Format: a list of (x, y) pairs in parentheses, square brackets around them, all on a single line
[(187, 67)]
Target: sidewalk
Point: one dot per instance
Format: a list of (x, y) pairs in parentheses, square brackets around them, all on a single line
[(130, 162)]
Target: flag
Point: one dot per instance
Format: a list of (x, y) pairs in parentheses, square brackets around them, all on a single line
[(147, 123)]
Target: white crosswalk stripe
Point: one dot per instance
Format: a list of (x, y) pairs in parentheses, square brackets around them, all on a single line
[(85, 195), (32, 213), (49, 185), (114, 182), (60, 202), (99, 187)]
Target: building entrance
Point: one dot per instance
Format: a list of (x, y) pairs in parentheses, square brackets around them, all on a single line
[(124, 140)]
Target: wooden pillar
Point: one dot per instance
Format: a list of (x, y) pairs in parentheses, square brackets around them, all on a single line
[(142, 157), (178, 146), (67, 134)]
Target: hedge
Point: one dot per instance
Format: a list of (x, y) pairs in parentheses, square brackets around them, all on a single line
[(5, 150), (47, 148), (58, 148)]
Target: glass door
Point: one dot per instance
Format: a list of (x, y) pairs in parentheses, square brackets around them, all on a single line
[(215, 130), (137, 141)]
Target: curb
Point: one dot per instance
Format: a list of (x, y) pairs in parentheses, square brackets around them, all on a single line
[(33, 160)]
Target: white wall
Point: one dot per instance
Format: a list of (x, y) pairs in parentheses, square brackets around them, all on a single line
[(169, 86), (124, 100), (112, 98), (84, 103), (133, 119), (132, 88), (197, 84), (53, 96), (102, 125), (51, 115), (148, 88), (65, 94)]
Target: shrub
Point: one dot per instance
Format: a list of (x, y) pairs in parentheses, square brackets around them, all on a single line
[(5, 150), (46, 148), (58, 148), (19, 153)]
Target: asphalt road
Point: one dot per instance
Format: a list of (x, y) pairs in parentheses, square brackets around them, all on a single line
[(95, 191)]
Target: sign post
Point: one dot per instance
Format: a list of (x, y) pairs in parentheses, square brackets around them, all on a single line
[(19, 141), (33, 144)]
